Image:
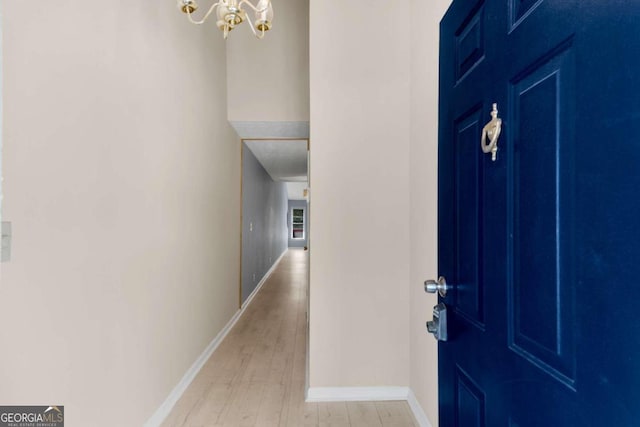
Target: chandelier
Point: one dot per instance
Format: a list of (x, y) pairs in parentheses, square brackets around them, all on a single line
[(231, 13)]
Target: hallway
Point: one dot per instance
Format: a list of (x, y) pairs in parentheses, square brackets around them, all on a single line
[(256, 377)]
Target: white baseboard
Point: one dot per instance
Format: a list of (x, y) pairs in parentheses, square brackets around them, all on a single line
[(165, 409), (351, 394), (263, 280), (417, 410), (360, 394)]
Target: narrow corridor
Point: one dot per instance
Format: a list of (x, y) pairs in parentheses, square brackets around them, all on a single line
[(256, 377)]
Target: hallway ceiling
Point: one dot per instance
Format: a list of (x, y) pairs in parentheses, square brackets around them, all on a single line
[(274, 130), (284, 160)]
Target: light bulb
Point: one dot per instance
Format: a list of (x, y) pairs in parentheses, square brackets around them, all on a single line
[(222, 13), (265, 16), (187, 6)]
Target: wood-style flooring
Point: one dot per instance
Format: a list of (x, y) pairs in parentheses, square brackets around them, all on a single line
[(256, 376)]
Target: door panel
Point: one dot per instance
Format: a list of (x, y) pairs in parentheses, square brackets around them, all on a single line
[(542, 245), (470, 401), (540, 288), (469, 175), (469, 41)]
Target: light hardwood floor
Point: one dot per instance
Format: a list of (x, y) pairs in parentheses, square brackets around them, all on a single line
[(256, 376)]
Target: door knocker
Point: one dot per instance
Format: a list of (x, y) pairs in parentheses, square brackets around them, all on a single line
[(491, 131)]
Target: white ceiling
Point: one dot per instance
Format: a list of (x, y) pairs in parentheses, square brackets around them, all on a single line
[(295, 190), (271, 129), (284, 160)]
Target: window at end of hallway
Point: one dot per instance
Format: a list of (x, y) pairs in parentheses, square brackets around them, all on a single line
[(297, 223)]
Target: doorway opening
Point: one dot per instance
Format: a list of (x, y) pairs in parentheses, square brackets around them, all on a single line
[(275, 208)]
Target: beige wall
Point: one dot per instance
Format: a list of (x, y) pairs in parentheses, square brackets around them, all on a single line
[(122, 184), (359, 319), (268, 79), (374, 182), (425, 18)]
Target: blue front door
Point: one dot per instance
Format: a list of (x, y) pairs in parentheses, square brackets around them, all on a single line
[(542, 245)]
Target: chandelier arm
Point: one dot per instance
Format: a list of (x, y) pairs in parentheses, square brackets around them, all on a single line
[(253, 29), (206, 16), (253, 7)]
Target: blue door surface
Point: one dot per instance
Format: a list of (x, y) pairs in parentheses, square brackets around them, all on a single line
[(541, 247)]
